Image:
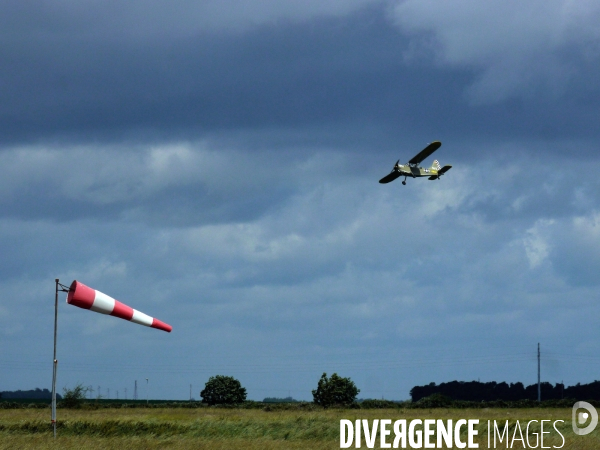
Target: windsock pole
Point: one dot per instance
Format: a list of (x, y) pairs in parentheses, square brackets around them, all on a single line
[(55, 361)]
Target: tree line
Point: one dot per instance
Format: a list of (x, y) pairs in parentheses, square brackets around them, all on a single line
[(492, 391), (340, 391), (36, 393)]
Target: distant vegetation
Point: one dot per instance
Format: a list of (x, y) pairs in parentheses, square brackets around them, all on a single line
[(36, 393), (279, 400), (476, 391), (338, 391)]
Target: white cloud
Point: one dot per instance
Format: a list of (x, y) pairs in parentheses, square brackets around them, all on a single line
[(536, 242), (515, 45), (587, 228)]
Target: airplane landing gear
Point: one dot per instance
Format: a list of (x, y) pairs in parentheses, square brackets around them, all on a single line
[(404, 182)]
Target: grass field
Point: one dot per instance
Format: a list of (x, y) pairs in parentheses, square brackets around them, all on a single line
[(204, 428)]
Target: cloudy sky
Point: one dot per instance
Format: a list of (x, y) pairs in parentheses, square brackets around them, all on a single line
[(215, 164)]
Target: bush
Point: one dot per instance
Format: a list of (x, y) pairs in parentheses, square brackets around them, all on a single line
[(223, 390), (73, 398), (335, 391)]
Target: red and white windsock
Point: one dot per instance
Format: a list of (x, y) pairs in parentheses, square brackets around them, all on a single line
[(87, 298)]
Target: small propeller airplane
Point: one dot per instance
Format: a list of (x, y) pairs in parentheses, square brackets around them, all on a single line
[(413, 170)]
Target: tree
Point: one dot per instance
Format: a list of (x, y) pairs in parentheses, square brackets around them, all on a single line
[(223, 390), (335, 391), (73, 398)]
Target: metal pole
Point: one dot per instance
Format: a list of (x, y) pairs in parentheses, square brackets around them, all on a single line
[(539, 385), (55, 361), (146, 391)]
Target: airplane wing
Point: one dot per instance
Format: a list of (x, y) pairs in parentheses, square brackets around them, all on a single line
[(426, 152), (390, 177)]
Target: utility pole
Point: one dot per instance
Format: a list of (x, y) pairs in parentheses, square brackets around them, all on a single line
[(190, 392), (539, 383), (135, 397), (146, 391)]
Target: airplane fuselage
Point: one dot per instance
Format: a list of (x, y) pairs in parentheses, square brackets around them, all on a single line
[(414, 171)]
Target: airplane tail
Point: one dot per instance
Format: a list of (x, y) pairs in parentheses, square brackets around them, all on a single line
[(440, 170)]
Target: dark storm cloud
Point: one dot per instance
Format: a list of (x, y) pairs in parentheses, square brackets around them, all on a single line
[(273, 76), (85, 82)]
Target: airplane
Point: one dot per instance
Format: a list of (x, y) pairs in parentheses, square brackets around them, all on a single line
[(413, 170)]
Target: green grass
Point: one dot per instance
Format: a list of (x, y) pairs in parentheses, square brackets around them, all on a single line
[(181, 428)]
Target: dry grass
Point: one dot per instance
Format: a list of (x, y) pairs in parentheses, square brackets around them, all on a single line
[(238, 428)]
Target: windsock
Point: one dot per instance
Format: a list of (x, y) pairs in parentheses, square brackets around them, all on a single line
[(87, 298)]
